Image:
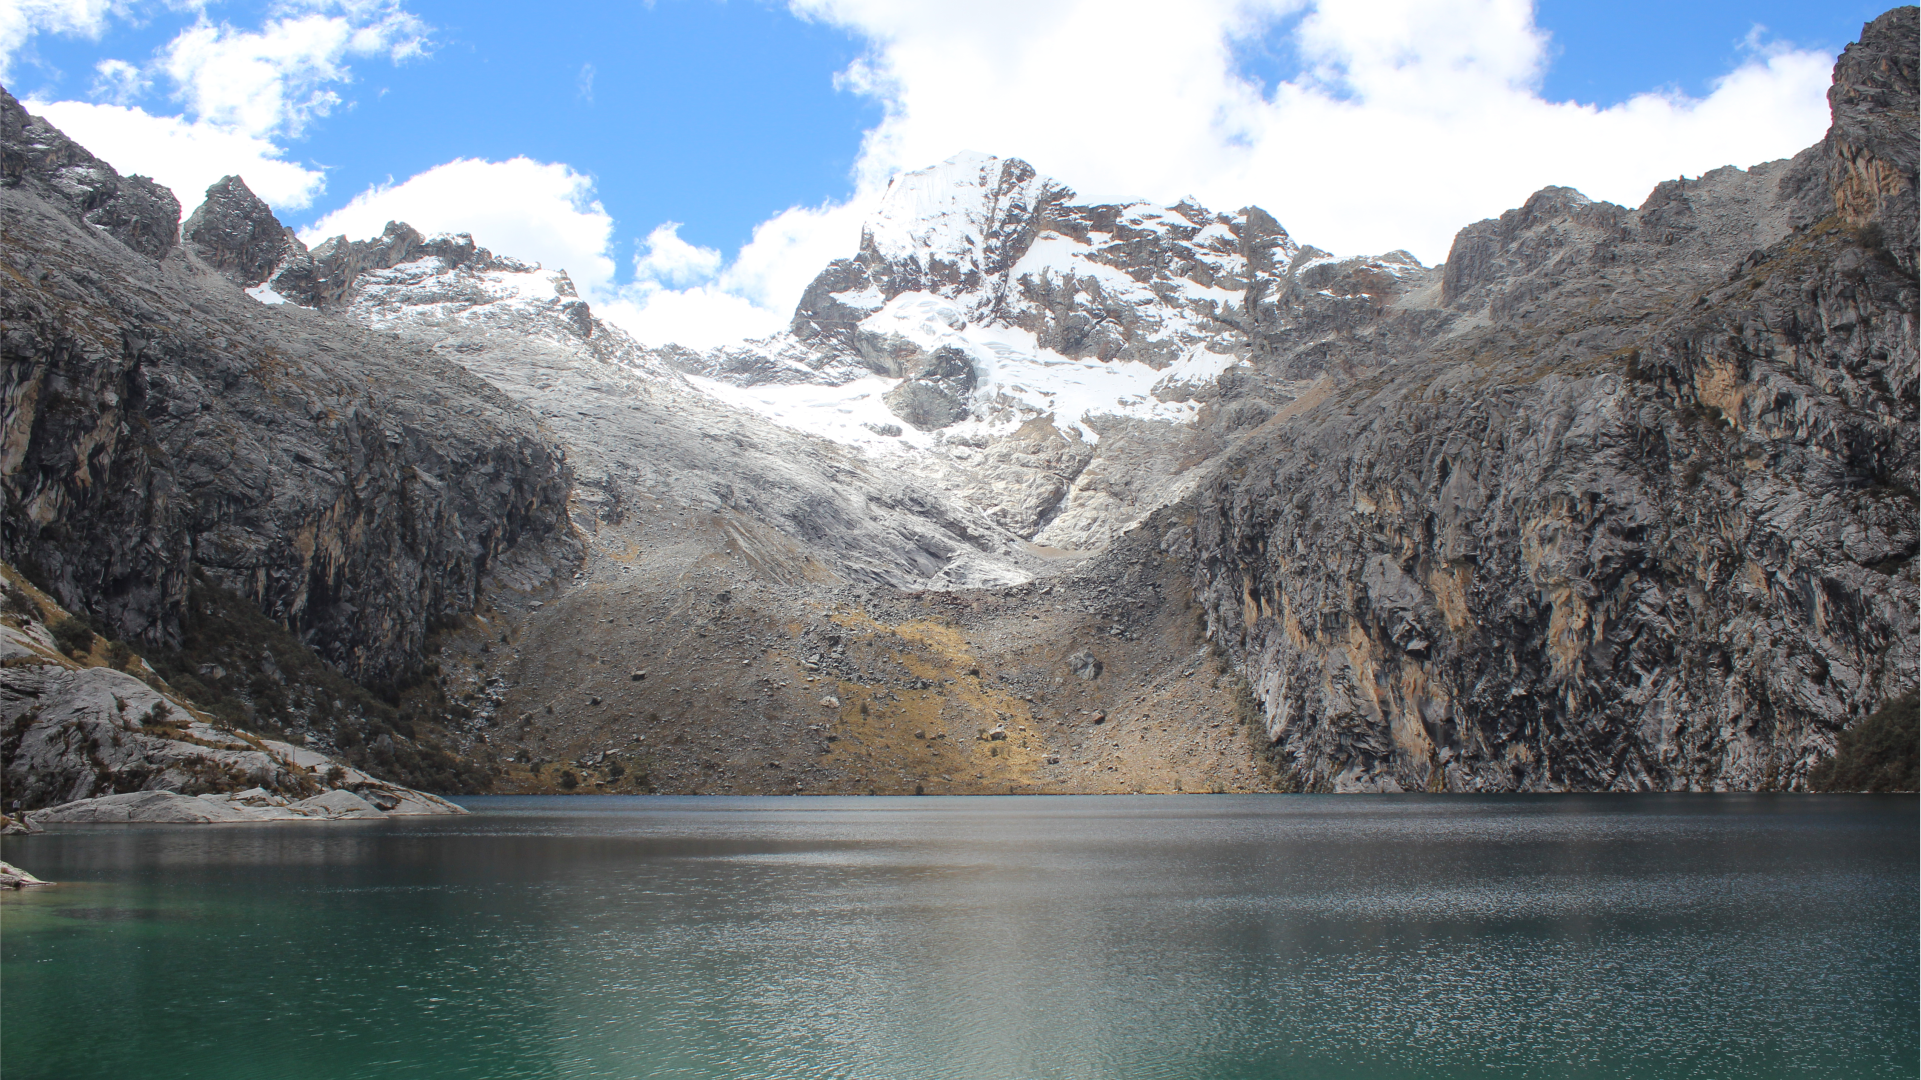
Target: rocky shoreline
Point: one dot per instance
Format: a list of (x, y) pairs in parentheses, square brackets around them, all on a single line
[(252, 805), (12, 877), (89, 742)]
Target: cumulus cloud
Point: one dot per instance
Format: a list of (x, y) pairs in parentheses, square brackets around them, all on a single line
[(788, 249), (669, 260), (20, 20), (519, 207), (185, 155), (699, 317), (245, 92), (1408, 119), (118, 82), (689, 298), (279, 78)]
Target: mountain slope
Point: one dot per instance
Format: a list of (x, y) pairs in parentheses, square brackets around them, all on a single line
[(1064, 367), (1041, 496)]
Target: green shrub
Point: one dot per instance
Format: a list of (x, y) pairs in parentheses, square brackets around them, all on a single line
[(1880, 753), (17, 599), (157, 715), (119, 655), (72, 635), (568, 781)]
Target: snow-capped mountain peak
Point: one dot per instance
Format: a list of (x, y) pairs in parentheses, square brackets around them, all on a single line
[(983, 301)]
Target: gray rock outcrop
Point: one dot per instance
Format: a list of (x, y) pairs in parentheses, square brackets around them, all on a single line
[(169, 808), (87, 743), (934, 395), (34, 156), (12, 877)]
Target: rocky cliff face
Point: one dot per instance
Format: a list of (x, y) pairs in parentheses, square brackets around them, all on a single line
[(162, 427), (1639, 514), (82, 722)]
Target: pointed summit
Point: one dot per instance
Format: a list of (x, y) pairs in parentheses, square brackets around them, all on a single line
[(237, 234)]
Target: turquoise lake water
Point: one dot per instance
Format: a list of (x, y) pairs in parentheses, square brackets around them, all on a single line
[(1128, 937)]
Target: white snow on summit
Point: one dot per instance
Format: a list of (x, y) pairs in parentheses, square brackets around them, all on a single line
[(947, 212)]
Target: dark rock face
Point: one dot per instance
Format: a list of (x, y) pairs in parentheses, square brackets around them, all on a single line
[(925, 405), (1870, 151), (237, 234), (1555, 226), (161, 427), (1642, 515), (132, 209), (324, 277), (935, 393)]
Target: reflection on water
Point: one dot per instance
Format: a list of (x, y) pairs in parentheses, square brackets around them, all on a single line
[(1135, 937)]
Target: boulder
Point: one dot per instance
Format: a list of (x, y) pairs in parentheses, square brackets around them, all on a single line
[(12, 877), (12, 826), (926, 405), (341, 804)]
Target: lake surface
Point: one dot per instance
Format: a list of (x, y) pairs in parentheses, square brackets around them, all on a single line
[(1128, 937)]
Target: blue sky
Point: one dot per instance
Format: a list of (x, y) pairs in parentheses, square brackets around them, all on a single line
[(725, 117), (714, 114), (1606, 52)]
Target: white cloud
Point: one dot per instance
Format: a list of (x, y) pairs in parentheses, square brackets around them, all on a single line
[(791, 247), (186, 156), (20, 20), (1411, 118), (246, 91), (699, 317), (118, 81), (519, 207), (753, 296), (669, 260), (279, 78)]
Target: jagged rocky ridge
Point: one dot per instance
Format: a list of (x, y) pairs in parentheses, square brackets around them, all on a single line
[(1068, 368), (168, 444)]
